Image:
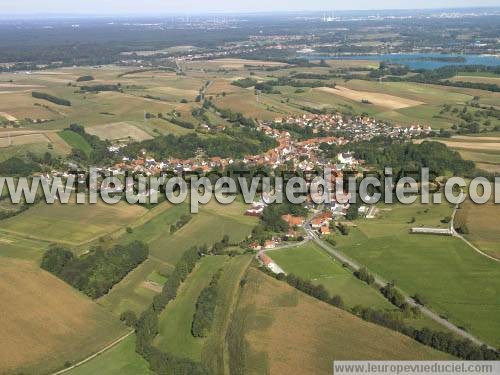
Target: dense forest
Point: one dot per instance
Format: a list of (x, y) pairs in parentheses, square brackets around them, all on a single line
[(18, 167), (233, 143), (96, 272), (406, 157)]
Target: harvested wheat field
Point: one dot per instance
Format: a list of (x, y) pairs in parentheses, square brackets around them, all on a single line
[(46, 323), (118, 130), (25, 139), (240, 63), (7, 116), (283, 331), (375, 98), (489, 146)]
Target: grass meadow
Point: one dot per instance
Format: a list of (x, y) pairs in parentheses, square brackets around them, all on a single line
[(175, 321), (279, 330), (312, 263), (72, 223), (469, 284), (119, 360)]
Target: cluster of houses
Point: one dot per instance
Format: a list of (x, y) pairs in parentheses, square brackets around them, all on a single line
[(355, 128)]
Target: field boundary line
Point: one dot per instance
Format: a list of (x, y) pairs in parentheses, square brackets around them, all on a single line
[(458, 235), (381, 282), (114, 343)]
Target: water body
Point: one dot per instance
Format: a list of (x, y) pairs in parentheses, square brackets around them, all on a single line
[(417, 60)]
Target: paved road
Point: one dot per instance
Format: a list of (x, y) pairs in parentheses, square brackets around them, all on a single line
[(380, 282)]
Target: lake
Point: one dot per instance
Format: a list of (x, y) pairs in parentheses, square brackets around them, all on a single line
[(417, 60)]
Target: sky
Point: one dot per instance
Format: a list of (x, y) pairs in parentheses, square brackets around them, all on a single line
[(213, 6)]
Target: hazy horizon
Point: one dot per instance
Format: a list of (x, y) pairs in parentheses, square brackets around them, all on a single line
[(152, 7)]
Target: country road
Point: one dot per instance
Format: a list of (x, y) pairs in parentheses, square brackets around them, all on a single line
[(380, 282), (113, 344)]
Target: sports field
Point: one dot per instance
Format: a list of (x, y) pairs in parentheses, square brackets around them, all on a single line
[(469, 283), (279, 330), (45, 322), (312, 263)]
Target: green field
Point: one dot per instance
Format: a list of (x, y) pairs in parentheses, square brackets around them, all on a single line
[(312, 263), (206, 227), (76, 141), (72, 223), (279, 330), (214, 352), (21, 248), (482, 226), (132, 293), (119, 360), (469, 284), (175, 321)]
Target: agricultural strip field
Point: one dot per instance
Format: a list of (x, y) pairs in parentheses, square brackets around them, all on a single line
[(119, 360), (72, 223), (214, 352), (379, 99), (45, 322), (469, 282), (482, 225), (495, 79), (7, 140), (21, 248), (312, 263), (76, 141), (118, 131), (483, 150), (132, 292), (279, 330), (175, 321), (206, 227)]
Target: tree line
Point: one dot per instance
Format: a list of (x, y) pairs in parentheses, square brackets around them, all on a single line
[(147, 324), (94, 273), (443, 341), (51, 98), (99, 153), (205, 308)]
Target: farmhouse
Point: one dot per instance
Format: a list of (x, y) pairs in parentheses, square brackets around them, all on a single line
[(256, 209), (325, 230), (293, 221), (269, 263), (443, 232)]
